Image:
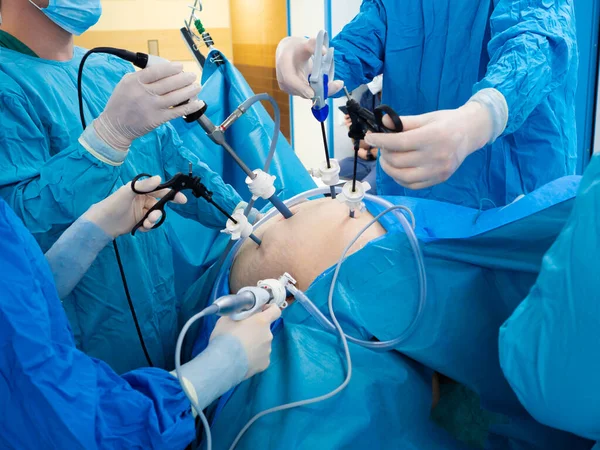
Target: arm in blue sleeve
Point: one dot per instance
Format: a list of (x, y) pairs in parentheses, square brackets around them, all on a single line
[(360, 46), (222, 366), (549, 346), (72, 255), (176, 158), (53, 395), (46, 190), (533, 51)]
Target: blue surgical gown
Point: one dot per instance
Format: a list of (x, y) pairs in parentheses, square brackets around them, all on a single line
[(53, 395), (435, 54), (49, 180), (549, 347)]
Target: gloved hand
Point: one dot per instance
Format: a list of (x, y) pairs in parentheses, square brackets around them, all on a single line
[(120, 212), (144, 100), (255, 336), (294, 65), (433, 146)]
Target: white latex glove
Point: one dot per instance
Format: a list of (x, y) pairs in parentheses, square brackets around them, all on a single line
[(144, 100), (119, 213), (255, 335), (434, 145), (294, 65)]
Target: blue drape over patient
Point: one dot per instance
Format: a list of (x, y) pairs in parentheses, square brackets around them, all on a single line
[(479, 267), (549, 346)]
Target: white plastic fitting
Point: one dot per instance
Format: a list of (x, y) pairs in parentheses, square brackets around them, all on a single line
[(330, 176), (242, 229), (354, 199), (267, 292), (263, 185)]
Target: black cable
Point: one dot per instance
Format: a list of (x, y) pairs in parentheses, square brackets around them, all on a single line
[(117, 254), (131, 308)]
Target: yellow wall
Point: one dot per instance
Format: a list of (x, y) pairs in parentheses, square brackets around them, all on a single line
[(257, 27), (131, 24)]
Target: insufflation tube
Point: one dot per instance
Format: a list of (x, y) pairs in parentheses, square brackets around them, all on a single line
[(312, 309)]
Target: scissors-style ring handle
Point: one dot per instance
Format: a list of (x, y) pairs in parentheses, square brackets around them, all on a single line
[(383, 110), (136, 179), (160, 206)]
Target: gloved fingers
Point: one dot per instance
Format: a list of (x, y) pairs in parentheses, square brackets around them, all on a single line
[(180, 197), (159, 71), (420, 177), (293, 65), (153, 218), (181, 95), (172, 83), (406, 160), (404, 175), (411, 139), (270, 315), (396, 142), (410, 122), (186, 110), (150, 221), (146, 184), (335, 87)]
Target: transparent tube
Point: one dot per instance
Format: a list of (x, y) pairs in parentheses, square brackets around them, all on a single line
[(312, 308), (276, 131)]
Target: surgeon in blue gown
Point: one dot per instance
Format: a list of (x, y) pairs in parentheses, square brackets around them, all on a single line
[(549, 346), (53, 395), (486, 90), (50, 172)]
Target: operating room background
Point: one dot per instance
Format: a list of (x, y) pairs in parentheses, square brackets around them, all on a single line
[(247, 32)]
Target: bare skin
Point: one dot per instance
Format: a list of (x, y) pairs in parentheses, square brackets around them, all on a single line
[(28, 24), (304, 246)]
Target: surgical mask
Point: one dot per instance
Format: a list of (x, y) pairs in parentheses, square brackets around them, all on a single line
[(376, 86), (74, 16)]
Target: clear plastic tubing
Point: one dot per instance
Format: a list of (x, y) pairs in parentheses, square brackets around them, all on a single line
[(310, 307)]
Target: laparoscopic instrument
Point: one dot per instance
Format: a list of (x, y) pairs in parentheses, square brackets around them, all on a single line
[(322, 72), (249, 300), (237, 225), (364, 121)]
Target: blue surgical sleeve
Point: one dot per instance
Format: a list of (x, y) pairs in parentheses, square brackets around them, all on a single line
[(222, 366), (360, 46), (532, 51), (39, 184), (53, 395), (176, 158), (72, 255), (549, 346)]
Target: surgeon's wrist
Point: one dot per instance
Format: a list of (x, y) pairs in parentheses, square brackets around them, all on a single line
[(496, 107), (97, 216), (110, 135), (100, 149), (478, 127)]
